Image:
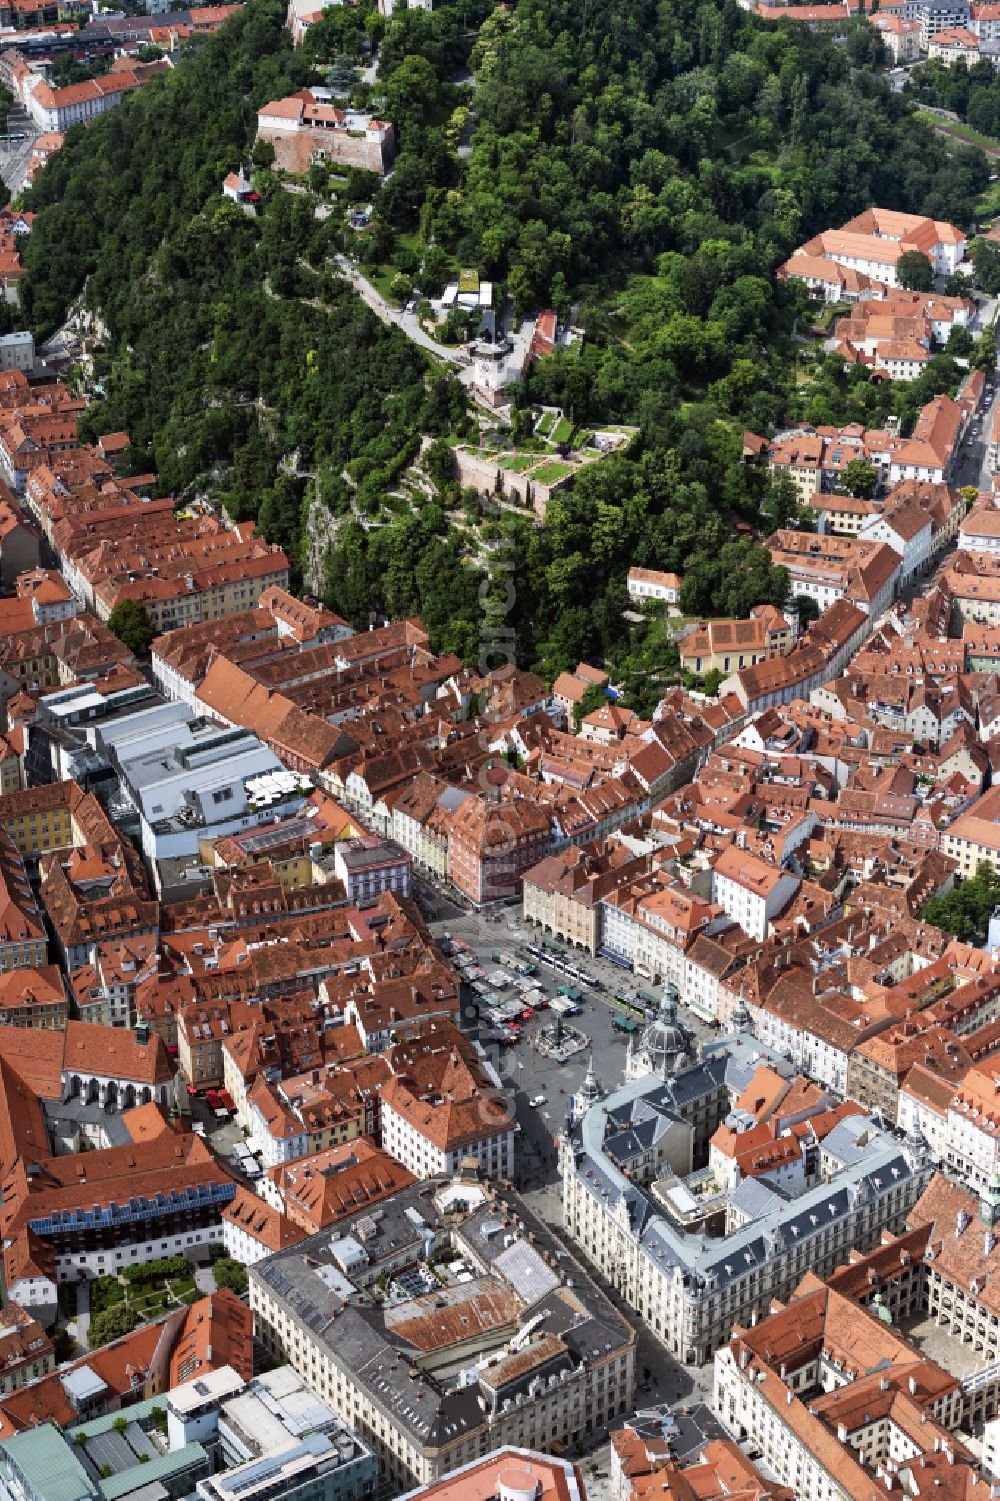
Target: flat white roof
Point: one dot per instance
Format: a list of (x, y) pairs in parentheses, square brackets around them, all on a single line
[(213, 1386)]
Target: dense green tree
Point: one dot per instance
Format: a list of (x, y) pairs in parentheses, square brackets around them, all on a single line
[(808, 609), (860, 478), (967, 910), (914, 271), (984, 352), (650, 166), (131, 624), (594, 698), (439, 463), (986, 258), (114, 1323), (780, 505), (958, 284), (66, 70), (412, 94), (972, 93), (231, 1274), (400, 288)]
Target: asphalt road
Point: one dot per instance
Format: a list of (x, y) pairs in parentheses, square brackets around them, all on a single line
[(408, 322), (971, 467), (529, 1074), (523, 1067), (15, 155)]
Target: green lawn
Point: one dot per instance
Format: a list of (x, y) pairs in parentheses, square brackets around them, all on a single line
[(381, 278), (519, 465), (988, 206), (548, 474), (411, 241), (563, 431), (149, 1298), (824, 316), (961, 132)]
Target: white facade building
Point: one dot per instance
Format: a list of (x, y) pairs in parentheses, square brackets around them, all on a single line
[(370, 865), (691, 1290), (650, 583), (908, 536), (751, 891), (426, 1153), (17, 351), (274, 1137)]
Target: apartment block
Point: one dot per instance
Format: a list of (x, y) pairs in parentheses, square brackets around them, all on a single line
[(560, 1382)]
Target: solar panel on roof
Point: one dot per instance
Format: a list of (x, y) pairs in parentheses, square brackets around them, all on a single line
[(110, 1450), (526, 1272)]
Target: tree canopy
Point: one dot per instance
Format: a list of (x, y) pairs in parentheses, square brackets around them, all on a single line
[(860, 478), (914, 271), (111, 1324), (967, 910), (645, 164), (973, 94), (131, 624)]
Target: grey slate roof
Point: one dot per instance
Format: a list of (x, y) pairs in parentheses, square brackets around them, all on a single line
[(873, 1163), (354, 1331)]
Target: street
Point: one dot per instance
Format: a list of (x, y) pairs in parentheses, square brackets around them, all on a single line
[(529, 1074), (525, 1069), (408, 322), (15, 154), (971, 466)]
